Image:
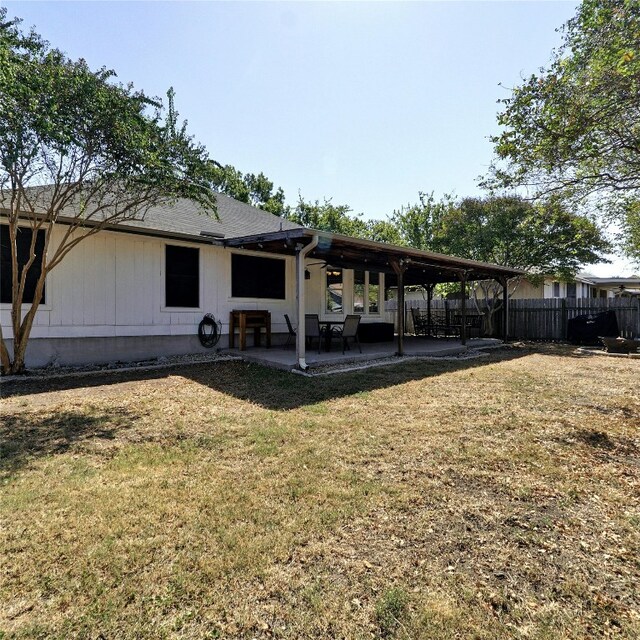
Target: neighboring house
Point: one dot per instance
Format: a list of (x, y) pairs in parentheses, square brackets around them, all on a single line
[(140, 290), (579, 287), (582, 286), (617, 287)]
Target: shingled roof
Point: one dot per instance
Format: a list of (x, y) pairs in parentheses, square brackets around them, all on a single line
[(187, 220)]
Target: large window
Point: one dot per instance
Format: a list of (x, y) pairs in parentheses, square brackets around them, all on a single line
[(23, 242), (359, 291), (182, 277), (334, 291), (571, 289), (556, 289), (256, 277), (366, 292)]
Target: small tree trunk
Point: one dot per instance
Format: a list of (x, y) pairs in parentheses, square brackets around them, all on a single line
[(19, 349), (487, 319), (21, 334), (5, 360)]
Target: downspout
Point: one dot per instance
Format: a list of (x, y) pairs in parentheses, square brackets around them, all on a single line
[(301, 254)]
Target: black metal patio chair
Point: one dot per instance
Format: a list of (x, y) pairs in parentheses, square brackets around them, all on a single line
[(292, 332)]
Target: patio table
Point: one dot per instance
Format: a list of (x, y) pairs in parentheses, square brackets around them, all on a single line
[(328, 324)]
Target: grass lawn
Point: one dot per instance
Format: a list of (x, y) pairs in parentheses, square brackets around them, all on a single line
[(493, 498)]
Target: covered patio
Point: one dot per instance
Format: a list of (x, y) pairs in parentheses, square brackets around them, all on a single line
[(280, 357), (400, 266)]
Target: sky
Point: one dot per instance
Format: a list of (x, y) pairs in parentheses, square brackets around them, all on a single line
[(367, 104)]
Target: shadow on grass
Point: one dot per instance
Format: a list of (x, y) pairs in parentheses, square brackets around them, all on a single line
[(271, 388), (25, 436)]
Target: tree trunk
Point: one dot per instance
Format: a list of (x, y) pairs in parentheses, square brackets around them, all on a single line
[(5, 360), (21, 335), (487, 320)]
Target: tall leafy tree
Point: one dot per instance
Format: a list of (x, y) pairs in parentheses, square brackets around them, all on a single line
[(78, 152), (256, 190), (417, 225), (573, 129), (543, 238), (326, 216)]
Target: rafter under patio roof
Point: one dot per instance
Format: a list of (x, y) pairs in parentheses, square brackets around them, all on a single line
[(421, 267)]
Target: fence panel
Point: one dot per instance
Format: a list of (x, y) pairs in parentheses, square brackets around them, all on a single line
[(535, 319)]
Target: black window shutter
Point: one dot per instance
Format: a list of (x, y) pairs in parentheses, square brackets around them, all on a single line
[(182, 277)]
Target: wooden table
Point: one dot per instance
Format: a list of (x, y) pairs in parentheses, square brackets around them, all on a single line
[(244, 319)]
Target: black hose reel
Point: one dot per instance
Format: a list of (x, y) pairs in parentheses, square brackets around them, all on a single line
[(209, 331)]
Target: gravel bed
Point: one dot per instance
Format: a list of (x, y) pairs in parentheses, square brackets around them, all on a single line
[(345, 367), (53, 372)]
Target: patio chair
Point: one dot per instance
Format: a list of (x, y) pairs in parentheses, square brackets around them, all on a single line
[(292, 332), (349, 331), (420, 322), (312, 329)]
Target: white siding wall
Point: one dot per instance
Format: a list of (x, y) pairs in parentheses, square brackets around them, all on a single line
[(112, 284)]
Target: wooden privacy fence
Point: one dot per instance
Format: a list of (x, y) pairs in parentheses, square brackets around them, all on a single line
[(548, 319), (536, 319)]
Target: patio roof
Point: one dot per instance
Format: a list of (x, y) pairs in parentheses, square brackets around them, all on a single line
[(337, 250)]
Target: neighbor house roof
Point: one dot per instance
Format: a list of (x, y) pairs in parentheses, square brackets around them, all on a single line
[(632, 281)]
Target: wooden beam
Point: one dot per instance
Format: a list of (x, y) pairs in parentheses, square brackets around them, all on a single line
[(430, 288), (463, 305), (505, 309), (399, 267)]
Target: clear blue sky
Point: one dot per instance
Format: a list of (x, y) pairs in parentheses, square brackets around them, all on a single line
[(364, 103)]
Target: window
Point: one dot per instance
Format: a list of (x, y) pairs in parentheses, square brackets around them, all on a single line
[(359, 291), (334, 291), (366, 291), (23, 242), (571, 289), (256, 277), (556, 289), (374, 292), (182, 277)]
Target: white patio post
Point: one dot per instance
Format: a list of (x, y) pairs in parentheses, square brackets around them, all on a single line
[(301, 254)]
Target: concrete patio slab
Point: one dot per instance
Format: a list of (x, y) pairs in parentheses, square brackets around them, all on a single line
[(285, 358)]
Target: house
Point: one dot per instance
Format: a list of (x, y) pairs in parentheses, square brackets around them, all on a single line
[(617, 287), (139, 290), (552, 287), (582, 286)]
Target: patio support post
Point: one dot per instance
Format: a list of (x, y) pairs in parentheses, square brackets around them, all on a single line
[(505, 308), (429, 298), (399, 268), (463, 307), (301, 254)]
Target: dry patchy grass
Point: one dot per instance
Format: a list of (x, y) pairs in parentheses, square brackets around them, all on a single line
[(482, 499)]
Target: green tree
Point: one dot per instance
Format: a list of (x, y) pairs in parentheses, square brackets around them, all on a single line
[(79, 151), (573, 129), (326, 216), (256, 190), (417, 225), (542, 238)]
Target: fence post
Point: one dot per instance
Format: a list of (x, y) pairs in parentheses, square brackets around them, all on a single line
[(563, 319)]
